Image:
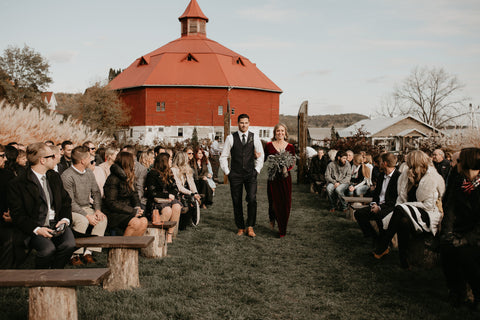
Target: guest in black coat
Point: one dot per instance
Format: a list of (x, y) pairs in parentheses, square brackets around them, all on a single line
[(122, 204), (316, 172), (460, 233), (39, 204), (384, 197)]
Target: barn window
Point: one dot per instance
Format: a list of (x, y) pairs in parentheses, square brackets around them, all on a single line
[(180, 132), (160, 129), (149, 129), (190, 57), (131, 133), (233, 111), (220, 110), (260, 134), (160, 106), (240, 62)]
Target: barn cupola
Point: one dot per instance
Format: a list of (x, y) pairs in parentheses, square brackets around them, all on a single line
[(193, 21)]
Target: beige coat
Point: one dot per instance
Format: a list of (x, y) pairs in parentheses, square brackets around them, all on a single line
[(430, 189)]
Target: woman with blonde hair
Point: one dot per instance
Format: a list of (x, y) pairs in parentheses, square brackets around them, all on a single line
[(420, 188), (121, 204), (183, 175), (279, 187), (361, 177)]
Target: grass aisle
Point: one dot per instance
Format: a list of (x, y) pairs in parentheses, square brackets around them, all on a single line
[(321, 270)]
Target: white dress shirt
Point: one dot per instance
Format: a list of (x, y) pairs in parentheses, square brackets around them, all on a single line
[(228, 146)]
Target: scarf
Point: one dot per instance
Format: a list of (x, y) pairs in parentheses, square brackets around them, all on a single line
[(468, 186)]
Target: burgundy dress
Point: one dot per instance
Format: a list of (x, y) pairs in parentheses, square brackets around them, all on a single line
[(279, 193)]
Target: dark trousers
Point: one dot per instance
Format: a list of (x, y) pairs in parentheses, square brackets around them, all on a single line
[(12, 247), (215, 162), (237, 182), (461, 265), (54, 252), (364, 216)]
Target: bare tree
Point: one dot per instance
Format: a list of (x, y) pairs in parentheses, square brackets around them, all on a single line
[(389, 106), (431, 95)]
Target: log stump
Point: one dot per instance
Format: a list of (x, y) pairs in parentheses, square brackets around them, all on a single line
[(52, 303), (123, 265), (158, 248)]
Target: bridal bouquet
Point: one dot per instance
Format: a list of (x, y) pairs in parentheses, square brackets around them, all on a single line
[(278, 164)]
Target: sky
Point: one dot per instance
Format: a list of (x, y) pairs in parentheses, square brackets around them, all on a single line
[(341, 56)]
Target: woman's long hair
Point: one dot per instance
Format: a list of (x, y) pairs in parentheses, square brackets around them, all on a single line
[(161, 166), (181, 163), (126, 162), (358, 158), (418, 163), (204, 158)]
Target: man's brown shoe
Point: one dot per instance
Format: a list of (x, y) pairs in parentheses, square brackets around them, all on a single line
[(241, 232), (75, 261), (88, 259), (250, 232)]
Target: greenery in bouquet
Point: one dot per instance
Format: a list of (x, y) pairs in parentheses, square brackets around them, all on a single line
[(278, 164)]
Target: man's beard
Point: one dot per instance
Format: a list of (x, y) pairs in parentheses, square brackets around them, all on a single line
[(341, 164)]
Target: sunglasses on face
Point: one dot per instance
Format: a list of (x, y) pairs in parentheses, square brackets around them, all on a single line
[(2, 155), (93, 148), (92, 161), (189, 152), (50, 156)]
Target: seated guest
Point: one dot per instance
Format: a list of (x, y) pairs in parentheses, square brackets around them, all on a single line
[(56, 151), (201, 175), (22, 158), (183, 174), (140, 175), (160, 183), (360, 181), (318, 166), (98, 172), (441, 164), (110, 155), (38, 205), (146, 159), (66, 160), (100, 155), (338, 176), (11, 164), (121, 204), (211, 182), (460, 233), (11, 242), (79, 181), (384, 197), (350, 155), (416, 211)]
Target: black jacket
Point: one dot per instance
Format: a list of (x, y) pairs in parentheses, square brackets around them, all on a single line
[(391, 194), (64, 164), (443, 168), (119, 198), (156, 188), (27, 203)]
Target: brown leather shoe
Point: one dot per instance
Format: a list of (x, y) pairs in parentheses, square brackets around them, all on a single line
[(88, 259), (241, 232), (75, 261), (250, 232)]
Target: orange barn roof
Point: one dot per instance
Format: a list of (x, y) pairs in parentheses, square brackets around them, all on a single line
[(193, 60)]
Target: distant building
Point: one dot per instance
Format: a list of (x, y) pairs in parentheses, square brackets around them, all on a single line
[(49, 99), (393, 134), (317, 136), (189, 82)]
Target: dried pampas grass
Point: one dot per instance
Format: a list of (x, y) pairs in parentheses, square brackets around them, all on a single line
[(26, 124)]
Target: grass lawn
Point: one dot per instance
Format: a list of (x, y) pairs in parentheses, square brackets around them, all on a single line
[(322, 269)]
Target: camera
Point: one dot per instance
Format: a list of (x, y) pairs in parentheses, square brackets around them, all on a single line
[(59, 230)]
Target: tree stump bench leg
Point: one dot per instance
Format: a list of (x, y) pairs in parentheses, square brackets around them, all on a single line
[(52, 303), (158, 248), (123, 265)]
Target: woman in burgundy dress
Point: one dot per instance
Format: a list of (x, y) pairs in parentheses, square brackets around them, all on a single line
[(279, 190)]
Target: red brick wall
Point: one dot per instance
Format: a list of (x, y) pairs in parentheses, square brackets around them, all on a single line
[(199, 106)]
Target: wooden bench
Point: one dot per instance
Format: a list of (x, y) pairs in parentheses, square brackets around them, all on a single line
[(355, 203), (122, 258), (52, 292), (158, 248)]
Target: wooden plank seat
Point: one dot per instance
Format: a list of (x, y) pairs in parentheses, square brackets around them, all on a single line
[(52, 292), (355, 203), (122, 258), (158, 248)]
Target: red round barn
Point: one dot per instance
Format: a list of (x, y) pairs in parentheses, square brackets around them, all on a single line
[(188, 84)]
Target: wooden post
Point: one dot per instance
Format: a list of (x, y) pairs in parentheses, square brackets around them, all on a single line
[(226, 129), (302, 141), (158, 248), (123, 265), (52, 303)]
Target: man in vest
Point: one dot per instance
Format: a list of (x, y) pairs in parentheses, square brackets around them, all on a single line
[(246, 157)]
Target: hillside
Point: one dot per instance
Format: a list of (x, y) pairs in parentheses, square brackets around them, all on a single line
[(322, 121)]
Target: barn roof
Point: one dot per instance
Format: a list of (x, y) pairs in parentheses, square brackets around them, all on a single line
[(193, 61)]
